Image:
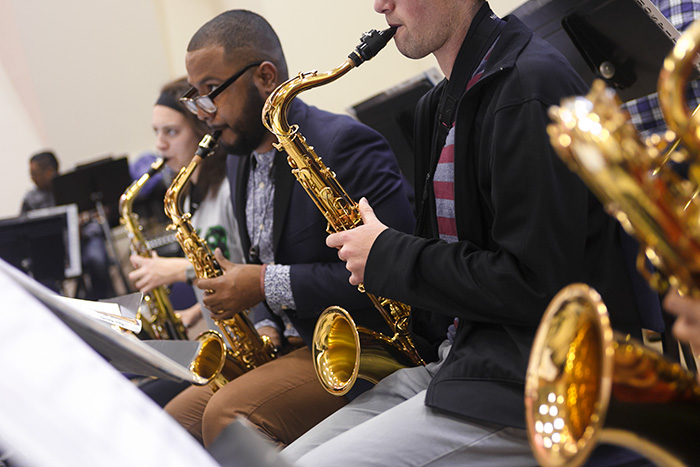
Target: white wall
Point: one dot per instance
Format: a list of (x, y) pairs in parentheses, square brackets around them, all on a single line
[(80, 76)]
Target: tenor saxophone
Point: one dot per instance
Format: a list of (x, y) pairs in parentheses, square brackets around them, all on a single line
[(342, 351), (161, 322), (215, 363)]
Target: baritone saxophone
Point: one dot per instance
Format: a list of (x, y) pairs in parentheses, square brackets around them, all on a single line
[(161, 321), (342, 351), (215, 363), (586, 384)]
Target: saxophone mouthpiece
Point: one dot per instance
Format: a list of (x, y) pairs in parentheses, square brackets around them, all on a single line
[(370, 44), (206, 146)]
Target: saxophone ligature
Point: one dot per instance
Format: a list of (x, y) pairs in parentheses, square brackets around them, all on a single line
[(215, 363), (160, 321), (342, 351), (585, 384)]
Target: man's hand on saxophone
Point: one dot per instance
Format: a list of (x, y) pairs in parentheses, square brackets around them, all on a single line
[(353, 245), (237, 289)]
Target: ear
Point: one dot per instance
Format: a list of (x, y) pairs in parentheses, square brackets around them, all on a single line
[(266, 77)]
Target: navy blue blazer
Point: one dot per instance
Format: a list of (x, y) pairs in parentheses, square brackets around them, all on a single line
[(364, 166)]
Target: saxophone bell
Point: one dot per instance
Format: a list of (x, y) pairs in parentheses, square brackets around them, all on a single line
[(587, 384)]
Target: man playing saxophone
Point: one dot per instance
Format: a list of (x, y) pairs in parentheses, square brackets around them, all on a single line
[(233, 63), (502, 226)]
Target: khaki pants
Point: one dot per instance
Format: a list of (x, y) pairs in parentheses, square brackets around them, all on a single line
[(282, 399)]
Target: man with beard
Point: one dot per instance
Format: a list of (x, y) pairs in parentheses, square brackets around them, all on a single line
[(233, 63)]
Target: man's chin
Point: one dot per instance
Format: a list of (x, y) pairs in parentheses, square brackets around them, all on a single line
[(227, 139), (234, 144)]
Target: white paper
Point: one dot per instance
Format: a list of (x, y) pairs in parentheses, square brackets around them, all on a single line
[(109, 313), (61, 404)]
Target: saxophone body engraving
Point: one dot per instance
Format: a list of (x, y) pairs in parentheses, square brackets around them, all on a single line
[(215, 362)]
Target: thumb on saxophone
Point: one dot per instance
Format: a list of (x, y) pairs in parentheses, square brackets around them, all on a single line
[(366, 211), (221, 259)]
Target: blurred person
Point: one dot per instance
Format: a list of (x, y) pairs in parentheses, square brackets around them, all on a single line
[(687, 325), (178, 133), (43, 168)]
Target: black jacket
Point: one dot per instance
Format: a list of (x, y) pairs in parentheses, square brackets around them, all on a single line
[(527, 227), (365, 166)]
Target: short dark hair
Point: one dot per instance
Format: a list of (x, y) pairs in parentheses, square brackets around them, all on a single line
[(245, 36), (45, 160)]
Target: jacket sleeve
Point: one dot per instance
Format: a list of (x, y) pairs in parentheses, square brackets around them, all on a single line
[(522, 238)]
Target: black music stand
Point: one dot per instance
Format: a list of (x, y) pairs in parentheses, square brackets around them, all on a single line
[(614, 40), (95, 186), (391, 114), (162, 359), (44, 244), (35, 247), (92, 185)]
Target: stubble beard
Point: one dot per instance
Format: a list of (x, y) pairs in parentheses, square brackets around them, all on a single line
[(249, 129)]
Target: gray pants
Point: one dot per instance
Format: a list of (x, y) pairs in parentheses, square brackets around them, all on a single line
[(391, 425)]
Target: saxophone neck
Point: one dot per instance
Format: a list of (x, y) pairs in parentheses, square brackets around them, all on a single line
[(173, 196), (274, 114), (127, 217), (126, 200)]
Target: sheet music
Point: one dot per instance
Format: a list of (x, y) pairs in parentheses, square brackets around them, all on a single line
[(104, 312), (61, 404), (124, 351)]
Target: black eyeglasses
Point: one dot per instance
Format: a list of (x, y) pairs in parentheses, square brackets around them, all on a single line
[(206, 103)]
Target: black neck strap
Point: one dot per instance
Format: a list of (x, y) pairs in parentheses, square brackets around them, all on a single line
[(483, 31)]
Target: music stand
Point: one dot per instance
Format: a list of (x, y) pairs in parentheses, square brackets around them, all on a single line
[(94, 186), (614, 40), (391, 114), (35, 247)]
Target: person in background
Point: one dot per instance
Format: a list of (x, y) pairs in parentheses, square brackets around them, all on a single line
[(43, 167), (645, 111), (687, 325), (177, 134)]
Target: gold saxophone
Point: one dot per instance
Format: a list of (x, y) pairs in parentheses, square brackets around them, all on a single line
[(586, 384), (161, 322), (342, 351), (215, 363)]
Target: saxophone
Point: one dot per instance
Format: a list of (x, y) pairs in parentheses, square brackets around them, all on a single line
[(586, 383), (162, 322), (214, 362), (342, 352)]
